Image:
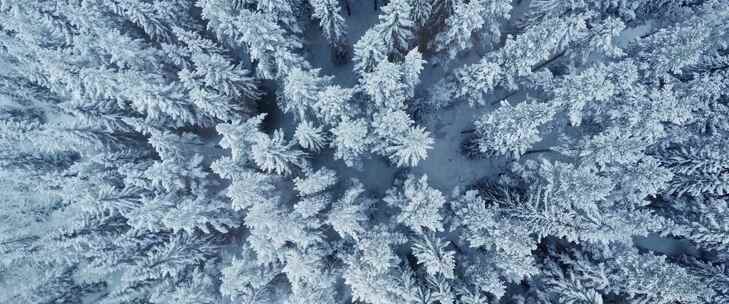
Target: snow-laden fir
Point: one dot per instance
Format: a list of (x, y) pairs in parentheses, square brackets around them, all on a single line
[(364, 151)]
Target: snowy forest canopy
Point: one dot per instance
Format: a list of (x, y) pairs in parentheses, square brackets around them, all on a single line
[(364, 151)]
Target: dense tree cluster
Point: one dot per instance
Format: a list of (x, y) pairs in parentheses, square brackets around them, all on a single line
[(199, 151)]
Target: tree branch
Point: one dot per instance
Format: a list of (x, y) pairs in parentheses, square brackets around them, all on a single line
[(507, 96), (550, 60), (539, 151)]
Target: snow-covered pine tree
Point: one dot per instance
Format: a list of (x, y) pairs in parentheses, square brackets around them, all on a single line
[(392, 85), (421, 12), (369, 51), (269, 46), (315, 181), (245, 279), (334, 104), (526, 54), (301, 89), (411, 148), (348, 217), (201, 288), (618, 271), (156, 18), (214, 82), (431, 252), (183, 199), (512, 129), (470, 19), (351, 141), (508, 244), (274, 154), (333, 27), (575, 203), (389, 127), (238, 136), (284, 12), (395, 27), (173, 260), (384, 84), (371, 270), (419, 204), (698, 167), (310, 137), (309, 276), (390, 38)]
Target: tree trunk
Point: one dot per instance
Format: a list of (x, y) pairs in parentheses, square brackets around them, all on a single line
[(347, 7), (550, 60), (538, 151), (507, 96)]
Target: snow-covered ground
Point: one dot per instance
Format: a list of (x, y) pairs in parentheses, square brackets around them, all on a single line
[(446, 166)]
